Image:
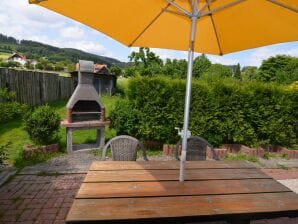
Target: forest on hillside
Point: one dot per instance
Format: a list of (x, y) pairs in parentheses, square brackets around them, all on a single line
[(36, 50)]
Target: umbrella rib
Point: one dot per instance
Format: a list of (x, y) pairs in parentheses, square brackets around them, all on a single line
[(176, 13), (150, 24), (214, 28), (291, 8), (178, 7), (206, 5), (222, 7), (36, 1)]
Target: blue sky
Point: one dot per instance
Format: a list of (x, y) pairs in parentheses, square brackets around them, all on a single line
[(31, 22)]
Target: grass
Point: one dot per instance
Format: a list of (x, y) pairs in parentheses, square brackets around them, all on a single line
[(83, 136), (269, 155), (15, 137), (152, 152), (4, 55), (241, 157)]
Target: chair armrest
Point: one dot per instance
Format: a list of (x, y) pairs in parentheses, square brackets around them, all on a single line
[(104, 151)]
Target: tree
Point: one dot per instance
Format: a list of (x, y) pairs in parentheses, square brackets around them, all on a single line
[(28, 65), (280, 68), (237, 73), (249, 72), (10, 64), (115, 70), (60, 66), (200, 65), (175, 68), (217, 72), (146, 62)]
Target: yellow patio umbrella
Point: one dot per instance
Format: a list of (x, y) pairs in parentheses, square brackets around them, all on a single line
[(216, 26)]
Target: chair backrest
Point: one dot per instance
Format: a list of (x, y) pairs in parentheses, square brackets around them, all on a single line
[(124, 148), (196, 149)]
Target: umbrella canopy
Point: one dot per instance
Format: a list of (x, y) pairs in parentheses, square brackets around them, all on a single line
[(217, 26), (224, 26)]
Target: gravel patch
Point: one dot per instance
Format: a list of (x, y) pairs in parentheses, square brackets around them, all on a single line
[(6, 173), (277, 163), (76, 162)]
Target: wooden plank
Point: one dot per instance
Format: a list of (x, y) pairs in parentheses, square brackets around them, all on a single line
[(170, 175), (159, 165), (170, 188), (182, 206)]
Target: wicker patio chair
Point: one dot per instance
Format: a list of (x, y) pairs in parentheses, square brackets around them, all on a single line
[(124, 148), (196, 149)]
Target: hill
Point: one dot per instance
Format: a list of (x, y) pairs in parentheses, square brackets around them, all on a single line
[(36, 50)]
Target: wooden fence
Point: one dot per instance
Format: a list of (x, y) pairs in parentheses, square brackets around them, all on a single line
[(34, 88)]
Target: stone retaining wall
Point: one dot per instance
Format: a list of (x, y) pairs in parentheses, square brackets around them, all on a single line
[(238, 148)]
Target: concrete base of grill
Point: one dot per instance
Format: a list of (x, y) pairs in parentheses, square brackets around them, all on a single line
[(71, 127)]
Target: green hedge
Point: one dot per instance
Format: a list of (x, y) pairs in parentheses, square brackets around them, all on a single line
[(228, 111)]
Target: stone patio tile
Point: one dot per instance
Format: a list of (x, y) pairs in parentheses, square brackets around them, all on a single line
[(282, 174), (37, 199)]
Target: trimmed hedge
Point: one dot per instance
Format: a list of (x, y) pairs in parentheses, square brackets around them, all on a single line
[(228, 111)]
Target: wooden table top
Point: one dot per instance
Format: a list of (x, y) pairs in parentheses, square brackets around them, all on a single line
[(114, 192)]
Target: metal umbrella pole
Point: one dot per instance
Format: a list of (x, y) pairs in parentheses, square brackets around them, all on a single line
[(194, 18)]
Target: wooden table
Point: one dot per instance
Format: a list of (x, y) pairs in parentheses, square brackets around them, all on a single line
[(115, 192)]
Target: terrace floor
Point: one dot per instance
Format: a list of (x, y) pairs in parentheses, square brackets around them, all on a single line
[(45, 192)]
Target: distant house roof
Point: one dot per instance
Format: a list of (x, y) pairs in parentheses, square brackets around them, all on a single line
[(98, 69), (17, 55), (101, 69)]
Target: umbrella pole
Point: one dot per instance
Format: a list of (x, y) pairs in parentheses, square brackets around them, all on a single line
[(194, 18)]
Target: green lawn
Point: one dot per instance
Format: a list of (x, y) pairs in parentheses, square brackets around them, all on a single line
[(13, 135), (4, 55)]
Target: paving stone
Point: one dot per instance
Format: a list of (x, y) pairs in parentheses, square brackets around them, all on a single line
[(49, 211), (33, 199), (291, 184), (282, 174)]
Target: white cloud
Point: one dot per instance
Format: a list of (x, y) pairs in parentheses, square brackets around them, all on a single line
[(72, 32), (24, 21), (260, 54), (164, 53), (222, 60), (31, 22), (88, 46)]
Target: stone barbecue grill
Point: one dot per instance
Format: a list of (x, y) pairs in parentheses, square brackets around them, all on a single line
[(84, 104), (84, 109)]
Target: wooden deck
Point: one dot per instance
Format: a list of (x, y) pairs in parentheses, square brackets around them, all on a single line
[(134, 192)]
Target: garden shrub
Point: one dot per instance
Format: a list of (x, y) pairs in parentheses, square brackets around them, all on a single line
[(9, 108), (225, 111), (42, 125)]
